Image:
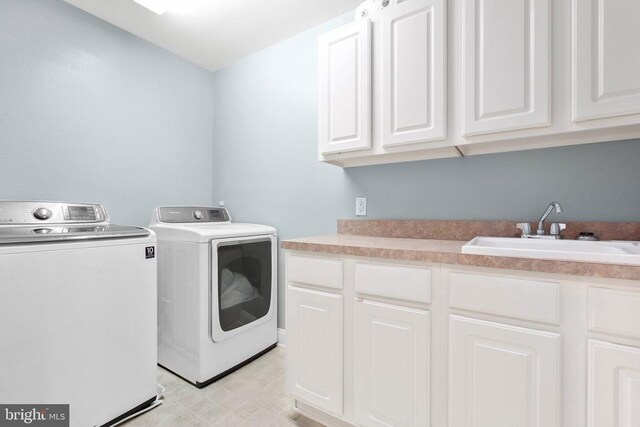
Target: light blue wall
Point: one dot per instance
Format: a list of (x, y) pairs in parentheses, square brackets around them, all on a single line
[(89, 112), (265, 167)]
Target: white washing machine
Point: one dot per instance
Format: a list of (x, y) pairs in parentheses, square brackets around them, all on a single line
[(77, 312), (217, 291)]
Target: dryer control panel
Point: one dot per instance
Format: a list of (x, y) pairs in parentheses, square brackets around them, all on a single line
[(34, 212), (192, 214)]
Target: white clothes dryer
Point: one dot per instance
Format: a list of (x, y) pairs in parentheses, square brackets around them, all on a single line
[(217, 291)]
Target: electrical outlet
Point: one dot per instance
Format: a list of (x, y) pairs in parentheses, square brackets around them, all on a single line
[(361, 206)]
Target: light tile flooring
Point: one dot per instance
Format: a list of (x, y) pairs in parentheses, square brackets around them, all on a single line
[(252, 396)]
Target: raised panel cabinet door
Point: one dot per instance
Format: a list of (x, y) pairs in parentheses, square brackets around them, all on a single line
[(344, 98), (314, 348), (413, 72), (507, 64), (606, 58), (502, 376), (391, 369), (614, 385)]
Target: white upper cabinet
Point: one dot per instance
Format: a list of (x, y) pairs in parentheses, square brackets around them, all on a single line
[(413, 72), (425, 79), (344, 99), (507, 60), (606, 58)]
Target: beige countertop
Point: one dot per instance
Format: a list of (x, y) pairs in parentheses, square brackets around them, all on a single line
[(450, 252)]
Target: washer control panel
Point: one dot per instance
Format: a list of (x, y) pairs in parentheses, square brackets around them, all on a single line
[(81, 213), (192, 214), (34, 212)]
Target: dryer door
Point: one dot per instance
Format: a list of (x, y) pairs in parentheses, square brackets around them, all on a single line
[(243, 285)]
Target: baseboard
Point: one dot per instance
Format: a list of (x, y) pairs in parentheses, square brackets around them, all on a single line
[(318, 415), (282, 337)]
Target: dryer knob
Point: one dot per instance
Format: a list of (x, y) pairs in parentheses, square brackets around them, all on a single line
[(198, 215), (42, 213)]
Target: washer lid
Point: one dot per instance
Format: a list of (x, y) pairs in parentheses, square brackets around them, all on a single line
[(44, 233)]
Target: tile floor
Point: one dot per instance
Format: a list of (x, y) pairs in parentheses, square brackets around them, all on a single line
[(252, 396)]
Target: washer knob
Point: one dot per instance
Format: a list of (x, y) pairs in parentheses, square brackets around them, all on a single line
[(42, 213), (198, 215)]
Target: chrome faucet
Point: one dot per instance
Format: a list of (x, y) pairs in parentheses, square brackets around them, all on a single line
[(552, 206), (556, 228)]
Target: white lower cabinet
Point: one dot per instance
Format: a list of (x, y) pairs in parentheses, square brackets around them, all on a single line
[(391, 369), (614, 385), (315, 348), (502, 375), (377, 343)]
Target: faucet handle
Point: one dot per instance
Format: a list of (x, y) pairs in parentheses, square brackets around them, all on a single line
[(525, 227), (557, 227)]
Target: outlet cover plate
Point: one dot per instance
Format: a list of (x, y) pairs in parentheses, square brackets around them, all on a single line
[(361, 206)]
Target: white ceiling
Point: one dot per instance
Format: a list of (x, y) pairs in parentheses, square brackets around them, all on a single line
[(216, 33)]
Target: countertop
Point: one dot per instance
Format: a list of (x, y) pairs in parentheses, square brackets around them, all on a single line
[(450, 252)]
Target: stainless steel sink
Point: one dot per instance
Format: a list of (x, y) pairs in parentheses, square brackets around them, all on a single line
[(613, 252)]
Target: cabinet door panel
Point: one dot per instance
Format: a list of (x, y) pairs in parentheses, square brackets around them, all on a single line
[(613, 311), (509, 296), (413, 73), (606, 58), (614, 385), (394, 281), (344, 99), (506, 65), (324, 272), (314, 348), (502, 376), (391, 365)]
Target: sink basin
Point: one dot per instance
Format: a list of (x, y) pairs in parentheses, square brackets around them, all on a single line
[(613, 252)]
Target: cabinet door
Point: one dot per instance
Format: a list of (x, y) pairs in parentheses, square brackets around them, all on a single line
[(606, 58), (502, 376), (391, 365), (614, 385), (344, 99), (413, 72), (507, 58), (314, 348)]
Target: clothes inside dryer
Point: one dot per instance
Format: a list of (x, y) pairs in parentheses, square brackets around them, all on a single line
[(244, 283), (235, 289)]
